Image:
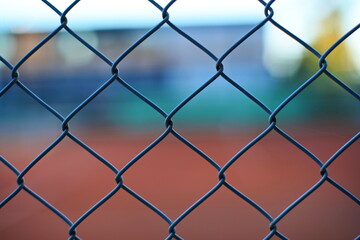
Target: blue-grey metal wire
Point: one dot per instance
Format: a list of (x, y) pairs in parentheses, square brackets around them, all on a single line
[(114, 78)]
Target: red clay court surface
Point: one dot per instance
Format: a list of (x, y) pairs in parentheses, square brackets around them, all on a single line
[(172, 177)]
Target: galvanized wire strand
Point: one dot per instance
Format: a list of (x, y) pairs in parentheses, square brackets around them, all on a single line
[(115, 76)]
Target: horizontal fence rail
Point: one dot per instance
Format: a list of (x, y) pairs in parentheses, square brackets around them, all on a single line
[(13, 80)]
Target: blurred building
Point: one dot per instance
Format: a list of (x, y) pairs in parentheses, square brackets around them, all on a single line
[(64, 72)]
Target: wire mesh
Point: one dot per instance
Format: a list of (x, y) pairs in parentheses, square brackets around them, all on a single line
[(168, 117)]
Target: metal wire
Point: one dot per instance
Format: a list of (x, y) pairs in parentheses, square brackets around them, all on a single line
[(115, 78)]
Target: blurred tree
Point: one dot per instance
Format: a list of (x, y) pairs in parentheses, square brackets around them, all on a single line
[(327, 99), (339, 60)]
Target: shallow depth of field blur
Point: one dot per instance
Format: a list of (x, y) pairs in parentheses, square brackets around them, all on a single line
[(220, 121)]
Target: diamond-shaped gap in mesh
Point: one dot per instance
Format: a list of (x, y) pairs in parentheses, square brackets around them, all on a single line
[(61, 5), (117, 125), (275, 238), (123, 216), (353, 51), (5, 76), (254, 66), (219, 38), (5, 72), (273, 173), (7, 182), (114, 41), (26, 127), (169, 180), (220, 120), (33, 218), (326, 213), (64, 72), (282, 59), (288, 14), (344, 169), (25, 42), (187, 12), (7, 52), (75, 180), (166, 68), (323, 117), (113, 15), (17, 18), (223, 216)]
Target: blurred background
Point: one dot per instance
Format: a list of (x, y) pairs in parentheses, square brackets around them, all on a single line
[(220, 121)]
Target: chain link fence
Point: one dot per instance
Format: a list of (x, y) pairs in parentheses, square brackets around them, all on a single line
[(115, 78)]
